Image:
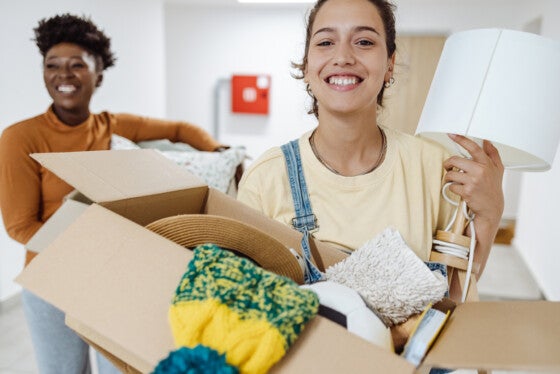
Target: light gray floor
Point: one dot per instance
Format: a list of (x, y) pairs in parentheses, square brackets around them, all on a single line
[(506, 277), (16, 352)]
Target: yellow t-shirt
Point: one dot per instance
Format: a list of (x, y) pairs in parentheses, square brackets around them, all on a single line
[(404, 192)]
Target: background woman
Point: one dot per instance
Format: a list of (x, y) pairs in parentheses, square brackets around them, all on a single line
[(75, 54)]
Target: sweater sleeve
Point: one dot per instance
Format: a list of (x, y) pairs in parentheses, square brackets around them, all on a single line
[(20, 187), (137, 128)]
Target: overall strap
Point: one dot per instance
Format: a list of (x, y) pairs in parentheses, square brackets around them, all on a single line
[(304, 221)]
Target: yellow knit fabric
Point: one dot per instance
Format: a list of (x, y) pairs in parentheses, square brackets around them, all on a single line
[(251, 345), (230, 305)]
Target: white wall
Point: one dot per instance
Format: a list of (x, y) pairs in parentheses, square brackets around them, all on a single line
[(205, 45), (538, 229), (136, 84)]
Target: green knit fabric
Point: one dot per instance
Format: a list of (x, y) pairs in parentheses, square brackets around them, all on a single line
[(249, 290)]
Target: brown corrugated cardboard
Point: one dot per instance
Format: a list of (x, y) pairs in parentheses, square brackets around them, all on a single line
[(60, 221), (115, 279), (134, 272), (517, 335), (103, 178)]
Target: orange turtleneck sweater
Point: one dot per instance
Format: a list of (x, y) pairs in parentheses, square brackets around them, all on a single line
[(30, 194)]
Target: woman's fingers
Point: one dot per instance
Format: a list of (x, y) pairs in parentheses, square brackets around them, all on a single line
[(469, 145), (478, 180), (493, 153)]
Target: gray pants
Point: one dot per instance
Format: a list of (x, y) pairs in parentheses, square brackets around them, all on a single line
[(58, 349)]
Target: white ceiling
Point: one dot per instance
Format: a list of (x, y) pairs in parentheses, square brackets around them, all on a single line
[(232, 3)]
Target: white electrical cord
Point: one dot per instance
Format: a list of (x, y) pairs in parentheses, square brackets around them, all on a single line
[(455, 249)]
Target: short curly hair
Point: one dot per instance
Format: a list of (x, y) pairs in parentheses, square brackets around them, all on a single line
[(68, 28)]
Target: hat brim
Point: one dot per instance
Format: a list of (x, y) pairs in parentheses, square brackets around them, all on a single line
[(190, 230)]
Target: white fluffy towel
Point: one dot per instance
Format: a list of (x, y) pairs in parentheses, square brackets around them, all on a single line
[(393, 281)]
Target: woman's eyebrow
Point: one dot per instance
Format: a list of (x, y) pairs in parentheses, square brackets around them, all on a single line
[(324, 29), (356, 29), (367, 28), (69, 57)]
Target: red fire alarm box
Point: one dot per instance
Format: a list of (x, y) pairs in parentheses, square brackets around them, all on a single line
[(249, 94)]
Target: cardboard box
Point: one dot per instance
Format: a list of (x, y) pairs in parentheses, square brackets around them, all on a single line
[(114, 279), (58, 223)]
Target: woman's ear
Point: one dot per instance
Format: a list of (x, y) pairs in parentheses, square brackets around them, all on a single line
[(390, 67), (99, 80)]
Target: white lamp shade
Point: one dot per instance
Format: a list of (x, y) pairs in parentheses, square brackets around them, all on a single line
[(499, 85)]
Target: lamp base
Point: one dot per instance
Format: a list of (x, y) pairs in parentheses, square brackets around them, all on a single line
[(450, 260), (457, 267)]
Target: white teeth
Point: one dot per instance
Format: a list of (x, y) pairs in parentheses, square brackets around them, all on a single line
[(66, 88), (343, 81)]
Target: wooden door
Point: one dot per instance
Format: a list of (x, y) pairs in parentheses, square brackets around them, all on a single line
[(416, 61)]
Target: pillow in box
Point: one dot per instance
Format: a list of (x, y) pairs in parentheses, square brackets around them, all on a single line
[(217, 169), (120, 143), (166, 145)]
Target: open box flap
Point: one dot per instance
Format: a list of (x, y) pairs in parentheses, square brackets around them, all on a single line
[(115, 175), (115, 279), (502, 335), (56, 225)]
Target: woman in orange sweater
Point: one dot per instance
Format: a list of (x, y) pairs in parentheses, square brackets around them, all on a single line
[(75, 54)]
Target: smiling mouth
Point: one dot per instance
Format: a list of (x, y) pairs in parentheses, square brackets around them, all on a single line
[(66, 88), (343, 80)]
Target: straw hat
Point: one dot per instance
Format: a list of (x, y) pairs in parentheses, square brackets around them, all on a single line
[(190, 230)]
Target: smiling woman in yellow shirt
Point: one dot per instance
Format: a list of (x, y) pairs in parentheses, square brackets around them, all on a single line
[(360, 175)]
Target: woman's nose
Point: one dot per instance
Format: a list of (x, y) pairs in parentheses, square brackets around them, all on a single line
[(344, 55), (65, 71)]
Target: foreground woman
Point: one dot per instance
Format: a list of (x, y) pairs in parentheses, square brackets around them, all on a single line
[(362, 177)]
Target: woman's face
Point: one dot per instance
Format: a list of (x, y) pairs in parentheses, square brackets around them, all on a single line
[(347, 61), (71, 77)]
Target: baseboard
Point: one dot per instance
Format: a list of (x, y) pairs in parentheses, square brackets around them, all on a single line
[(10, 302)]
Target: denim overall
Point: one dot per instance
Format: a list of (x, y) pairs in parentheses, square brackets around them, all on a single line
[(305, 221)]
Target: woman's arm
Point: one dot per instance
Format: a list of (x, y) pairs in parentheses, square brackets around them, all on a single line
[(20, 196), (479, 183), (137, 128)]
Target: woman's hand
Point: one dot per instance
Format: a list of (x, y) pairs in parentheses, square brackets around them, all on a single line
[(478, 180), (479, 183)]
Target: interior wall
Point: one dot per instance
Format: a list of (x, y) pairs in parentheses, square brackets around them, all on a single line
[(537, 234), (136, 84), (206, 45)]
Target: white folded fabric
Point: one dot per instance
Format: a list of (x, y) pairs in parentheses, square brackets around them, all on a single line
[(390, 277)]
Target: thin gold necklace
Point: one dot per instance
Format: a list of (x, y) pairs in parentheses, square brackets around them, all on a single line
[(375, 166)]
